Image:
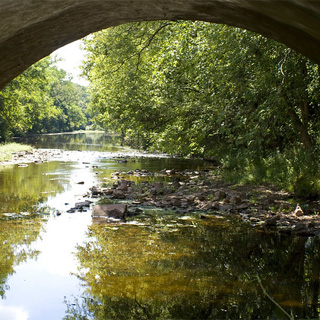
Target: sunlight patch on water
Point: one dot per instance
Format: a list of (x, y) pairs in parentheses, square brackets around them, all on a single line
[(13, 313), (58, 242)]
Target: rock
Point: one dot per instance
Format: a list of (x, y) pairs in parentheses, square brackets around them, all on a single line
[(157, 188), (190, 198), (219, 195), (298, 211), (80, 205), (299, 227), (114, 211), (272, 222), (201, 196), (96, 191), (235, 199), (225, 207), (108, 192), (176, 202), (118, 194), (215, 205), (123, 185), (184, 205), (243, 206)]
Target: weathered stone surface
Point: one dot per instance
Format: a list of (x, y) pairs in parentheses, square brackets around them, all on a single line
[(266, 208), (118, 194), (80, 205), (115, 211), (157, 188), (235, 199), (30, 30), (219, 195), (123, 185), (96, 191)]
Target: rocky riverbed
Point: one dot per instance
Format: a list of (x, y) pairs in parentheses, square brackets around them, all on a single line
[(204, 193), (189, 191)]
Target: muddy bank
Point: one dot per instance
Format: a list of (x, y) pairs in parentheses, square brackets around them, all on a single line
[(202, 191)]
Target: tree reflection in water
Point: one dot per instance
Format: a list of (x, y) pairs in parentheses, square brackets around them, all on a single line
[(16, 237), (84, 141), (22, 191), (171, 268)]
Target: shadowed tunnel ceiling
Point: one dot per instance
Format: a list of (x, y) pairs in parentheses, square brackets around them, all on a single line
[(32, 29)]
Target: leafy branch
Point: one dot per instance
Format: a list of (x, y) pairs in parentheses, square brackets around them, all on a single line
[(162, 26)]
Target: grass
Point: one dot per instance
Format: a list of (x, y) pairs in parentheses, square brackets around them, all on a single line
[(7, 149)]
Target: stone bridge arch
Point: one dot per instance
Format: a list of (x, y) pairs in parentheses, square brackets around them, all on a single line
[(32, 29)]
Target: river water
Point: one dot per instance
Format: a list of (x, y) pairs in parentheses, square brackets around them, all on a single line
[(159, 265)]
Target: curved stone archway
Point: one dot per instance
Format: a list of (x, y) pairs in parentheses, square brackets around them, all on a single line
[(32, 29)]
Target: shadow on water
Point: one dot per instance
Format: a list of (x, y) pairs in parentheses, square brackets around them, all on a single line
[(171, 267)]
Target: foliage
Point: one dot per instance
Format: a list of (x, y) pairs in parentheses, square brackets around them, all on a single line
[(198, 89), (42, 100)]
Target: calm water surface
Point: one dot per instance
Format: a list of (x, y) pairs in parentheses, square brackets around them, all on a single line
[(160, 265)]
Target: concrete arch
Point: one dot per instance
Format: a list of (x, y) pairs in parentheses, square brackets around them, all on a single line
[(32, 29)]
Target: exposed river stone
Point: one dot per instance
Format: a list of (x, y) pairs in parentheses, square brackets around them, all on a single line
[(109, 213), (189, 191)]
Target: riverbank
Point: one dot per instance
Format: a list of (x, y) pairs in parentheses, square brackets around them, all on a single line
[(30, 155), (190, 192), (8, 150), (203, 192)]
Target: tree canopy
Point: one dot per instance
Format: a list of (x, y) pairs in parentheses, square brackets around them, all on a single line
[(198, 89), (42, 99)]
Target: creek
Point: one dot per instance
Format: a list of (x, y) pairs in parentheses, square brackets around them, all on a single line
[(158, 265)]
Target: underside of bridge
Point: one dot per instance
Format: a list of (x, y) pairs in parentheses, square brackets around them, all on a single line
[(32, 29)]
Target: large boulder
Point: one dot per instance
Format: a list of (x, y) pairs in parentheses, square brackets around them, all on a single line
[(109, 213)]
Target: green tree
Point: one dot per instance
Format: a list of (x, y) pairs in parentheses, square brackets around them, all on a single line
[(198, 89), (42, 100)]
